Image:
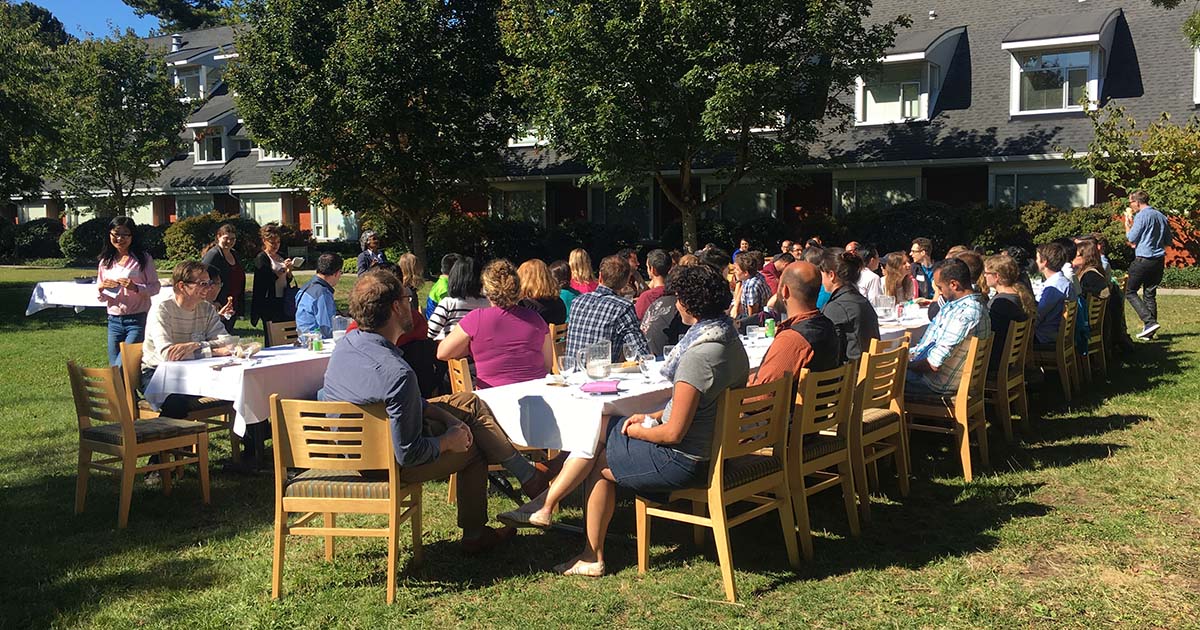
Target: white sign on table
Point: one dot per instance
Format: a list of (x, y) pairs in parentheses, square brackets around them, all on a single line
[(285, 370)]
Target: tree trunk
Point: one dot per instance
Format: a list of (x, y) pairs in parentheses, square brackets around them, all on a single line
[(687, 217), (417, 236)]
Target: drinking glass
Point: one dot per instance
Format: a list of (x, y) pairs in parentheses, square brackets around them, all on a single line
[(667, 350), (566, 367), (646, 365), (630, 351)]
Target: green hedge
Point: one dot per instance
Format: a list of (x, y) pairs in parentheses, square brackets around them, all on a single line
[(37, 239), (1181, 278), (85, 241), (7, 241)]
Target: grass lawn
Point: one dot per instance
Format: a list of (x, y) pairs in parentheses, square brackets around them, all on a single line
[(1092, 520)]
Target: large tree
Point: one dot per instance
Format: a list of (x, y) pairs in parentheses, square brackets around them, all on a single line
[(390, 107), (124, 117), (27, 126), (185, 15), (661, 88), (50, 30)]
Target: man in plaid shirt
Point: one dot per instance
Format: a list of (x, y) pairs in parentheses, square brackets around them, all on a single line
[(754, 290), (604, 315), (936, 363)]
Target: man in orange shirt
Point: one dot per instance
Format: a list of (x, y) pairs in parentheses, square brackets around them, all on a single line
[(806, 339)]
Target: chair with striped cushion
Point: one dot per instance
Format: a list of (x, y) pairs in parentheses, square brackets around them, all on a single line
[(107, 426), (216, 413), (747, 465), (962, 413), (877, 424), (347, 453), (819, 440)]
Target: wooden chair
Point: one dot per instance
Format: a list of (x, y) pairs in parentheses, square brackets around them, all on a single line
[(879, 346), (877, 424), (336, 442), (558, 340), (962, 413), (1096, 359), (1062, 357), (282, 333), (216, 413), (1005, 389), (824, 402), (107, 426), (460, 376), (748, 420)]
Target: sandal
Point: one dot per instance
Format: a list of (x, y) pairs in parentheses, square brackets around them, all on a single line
[(579, 567), (520, 519)]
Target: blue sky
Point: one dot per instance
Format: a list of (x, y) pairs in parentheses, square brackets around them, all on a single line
[(83, 16)]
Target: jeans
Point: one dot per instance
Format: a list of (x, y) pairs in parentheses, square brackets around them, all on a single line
[(1145, 274), (127, 328)]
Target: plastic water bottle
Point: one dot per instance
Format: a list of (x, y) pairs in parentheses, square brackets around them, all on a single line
[(770, 323)]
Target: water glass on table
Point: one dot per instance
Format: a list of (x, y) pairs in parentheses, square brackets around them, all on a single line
[(646, 365), (667, 350), (566, 367)]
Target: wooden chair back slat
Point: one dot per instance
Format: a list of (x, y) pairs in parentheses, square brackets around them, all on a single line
[(823, 399), (282, 333), (330, 435), (558, 343), (1017, 343), (460, 376), (881, 377), (131, 371), (879, 346), (1065, 341), (98, 400), (974, 374), (753, 418)]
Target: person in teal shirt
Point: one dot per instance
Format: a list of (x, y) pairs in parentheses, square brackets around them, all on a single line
[(441, 286), (562, 275)]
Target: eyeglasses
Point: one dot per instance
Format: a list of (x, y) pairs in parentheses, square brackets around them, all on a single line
[(202, 283), (120, 234)]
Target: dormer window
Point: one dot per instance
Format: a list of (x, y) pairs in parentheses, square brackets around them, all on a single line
[(190, 81), (909, 79), (1059, 60), (210, 145)]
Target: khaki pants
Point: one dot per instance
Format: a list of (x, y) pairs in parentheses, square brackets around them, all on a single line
[(490, 446)]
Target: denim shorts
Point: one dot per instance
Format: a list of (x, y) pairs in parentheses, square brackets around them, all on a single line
[(649, 469)]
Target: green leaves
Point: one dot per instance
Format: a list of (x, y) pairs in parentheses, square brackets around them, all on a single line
[(636, 87), (26, 104)]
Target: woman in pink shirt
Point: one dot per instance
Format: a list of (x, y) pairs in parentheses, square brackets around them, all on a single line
[(126, 280), (509, 342)]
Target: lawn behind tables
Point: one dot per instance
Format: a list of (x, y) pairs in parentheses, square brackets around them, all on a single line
[(1092, 520)]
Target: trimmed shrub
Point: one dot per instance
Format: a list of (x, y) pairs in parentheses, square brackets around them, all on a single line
[(186, 239), (350, 265), (7, 241), (84, 241), (1181, 278), (1044, 223), (152, 240), (38, 239)]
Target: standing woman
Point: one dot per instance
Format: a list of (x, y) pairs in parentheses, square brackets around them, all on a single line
[(539, 291), (126, 279), (898, 281), (220, 254), (583, 279), (372, 252), (272, 275)]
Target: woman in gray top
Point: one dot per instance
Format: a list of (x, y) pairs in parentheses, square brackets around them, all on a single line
[(654, 454)]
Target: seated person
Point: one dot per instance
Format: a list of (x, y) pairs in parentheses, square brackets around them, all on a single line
[(1012, 303), (182, 328), (658, 265), (509, 342), (753, 292), (441, 286), (314, 303), (657, 453), (936, 362), (853, 316), (464, 293), (539, 292), (562, 275), (1057, 289), (807, 338), (603, 315), (450, 434)]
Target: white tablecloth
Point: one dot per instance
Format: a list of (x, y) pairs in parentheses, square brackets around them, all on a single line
[(540, 415), (895, 329), (73, 294), (284, 370)]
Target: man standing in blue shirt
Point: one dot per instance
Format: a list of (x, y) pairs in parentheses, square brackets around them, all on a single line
[(314, 303), (1147, 229)]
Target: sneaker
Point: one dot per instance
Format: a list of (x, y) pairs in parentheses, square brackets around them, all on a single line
[(488, 540), (1148, 332)]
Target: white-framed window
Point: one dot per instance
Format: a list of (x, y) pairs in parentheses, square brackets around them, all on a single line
[(747, 201), (193, 206), (520, 201), (242, 145), (210, 145), (330, 223), (899, 92), (191, 80), (1065, 188), (262, 207), (267, 155), (875, 193), (1196, 76), (606, 208), (1052, 80)]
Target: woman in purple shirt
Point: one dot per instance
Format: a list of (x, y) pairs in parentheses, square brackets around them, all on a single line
[(509, 342)]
